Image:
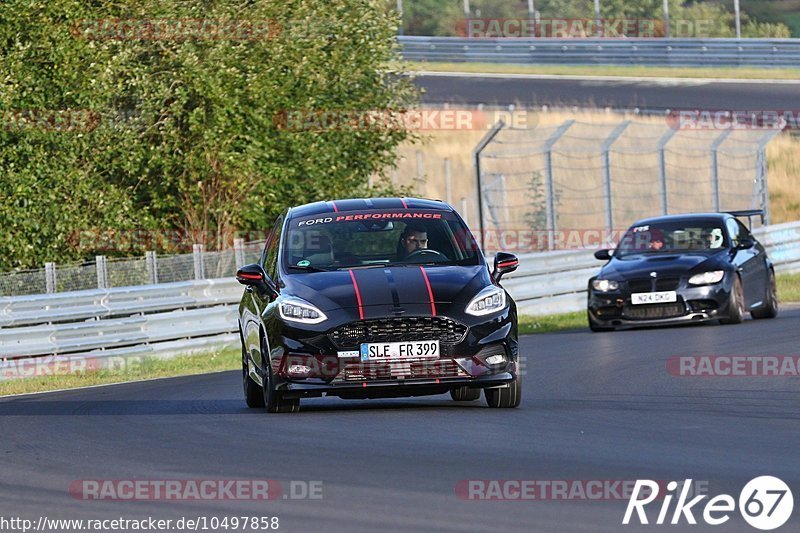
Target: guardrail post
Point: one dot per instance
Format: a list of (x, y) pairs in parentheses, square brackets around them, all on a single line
[(420, 172), (549, 191), (102, 271), (607, 172), (238, 252), (448, 181), (662, 167), (715, 197), (50, 277), (152, 266), (464, 213), (476, 157), (199, 265)]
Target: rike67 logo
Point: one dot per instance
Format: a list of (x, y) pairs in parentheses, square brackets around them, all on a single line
[(765, 503)]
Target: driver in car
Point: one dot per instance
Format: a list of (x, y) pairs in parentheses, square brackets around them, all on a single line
[(412, 239)]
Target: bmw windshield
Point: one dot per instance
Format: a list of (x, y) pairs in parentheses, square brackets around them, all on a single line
[(673, 237), (364, 239)]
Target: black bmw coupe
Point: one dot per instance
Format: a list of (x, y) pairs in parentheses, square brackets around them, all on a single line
[(370, 298), (683, 268)]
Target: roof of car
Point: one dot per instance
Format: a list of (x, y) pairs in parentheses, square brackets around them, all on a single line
[(366, 204), (685, 217)]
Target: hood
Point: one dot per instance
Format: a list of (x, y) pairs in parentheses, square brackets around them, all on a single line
[(641, 265), (390, 290)]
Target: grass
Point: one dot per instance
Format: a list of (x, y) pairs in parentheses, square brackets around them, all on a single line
[(592, 70), (529, 325), (788, 287), (129, 369)]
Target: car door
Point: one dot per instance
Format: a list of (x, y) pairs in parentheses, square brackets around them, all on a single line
[(269, 262), (750, 262)]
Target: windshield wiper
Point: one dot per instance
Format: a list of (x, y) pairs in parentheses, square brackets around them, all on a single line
[(308, 268)]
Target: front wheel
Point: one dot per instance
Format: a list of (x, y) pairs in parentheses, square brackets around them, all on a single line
[(253, 395), (274, 400), (770, 307), (465, 394), (735, 303), (509, 397)]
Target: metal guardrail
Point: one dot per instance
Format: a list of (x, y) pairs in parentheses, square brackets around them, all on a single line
[(633, 51), (188, 316)]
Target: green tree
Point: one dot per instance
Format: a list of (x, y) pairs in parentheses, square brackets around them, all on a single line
[(189, 132)]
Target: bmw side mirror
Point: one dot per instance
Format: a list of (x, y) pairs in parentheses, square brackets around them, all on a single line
[(504, 263), (603, 255), (745, 244)]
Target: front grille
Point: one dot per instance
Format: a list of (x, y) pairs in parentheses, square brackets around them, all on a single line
[(646, 285), (654, 311), (406, 369), (398, 329)]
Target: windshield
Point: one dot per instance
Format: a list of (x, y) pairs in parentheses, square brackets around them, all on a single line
[(670, 237), (364, 239)]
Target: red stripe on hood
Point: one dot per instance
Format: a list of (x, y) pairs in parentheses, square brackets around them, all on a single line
[(430, 290), (358, 295)]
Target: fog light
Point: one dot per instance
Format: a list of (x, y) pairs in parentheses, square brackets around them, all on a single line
[(495, 359)]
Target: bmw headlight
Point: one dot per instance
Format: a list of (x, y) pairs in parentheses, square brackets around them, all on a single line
[(707, 278), (297, 310), (605, 285), (489, 300)]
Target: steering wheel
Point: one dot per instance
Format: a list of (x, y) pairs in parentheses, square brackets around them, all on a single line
[(429, 252)]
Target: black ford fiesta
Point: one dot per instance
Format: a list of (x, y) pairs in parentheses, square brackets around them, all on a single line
[(683, 268), (371, 298)]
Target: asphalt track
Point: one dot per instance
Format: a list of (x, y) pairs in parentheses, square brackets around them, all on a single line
[(655, 94), (596, 407)]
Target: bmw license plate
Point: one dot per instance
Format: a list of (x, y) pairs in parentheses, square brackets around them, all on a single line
[(383, 351), (662, 297)]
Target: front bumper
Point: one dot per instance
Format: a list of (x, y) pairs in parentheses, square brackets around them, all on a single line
[(460, 363), (694, 304)]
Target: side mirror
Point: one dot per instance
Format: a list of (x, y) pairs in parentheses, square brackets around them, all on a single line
[(745, 244), (603, 255), (503, 264), (252, 275)]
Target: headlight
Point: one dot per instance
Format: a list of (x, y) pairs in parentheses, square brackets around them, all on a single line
[(298, 310), (707, 278), (489, 300), (605, 285)]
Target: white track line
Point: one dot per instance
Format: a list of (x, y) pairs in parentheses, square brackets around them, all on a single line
[(653, 79)]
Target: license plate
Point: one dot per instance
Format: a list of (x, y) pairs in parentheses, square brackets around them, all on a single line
[(654, 297), (383, 351)]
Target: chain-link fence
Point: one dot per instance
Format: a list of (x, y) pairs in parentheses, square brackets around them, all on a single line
[(122, 272), (577, 177)]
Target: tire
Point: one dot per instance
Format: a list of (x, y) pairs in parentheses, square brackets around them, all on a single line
[(253, 395), (735, 304), (274, 401), (594, 326), (507, 398), (465, 394), (770, 307)]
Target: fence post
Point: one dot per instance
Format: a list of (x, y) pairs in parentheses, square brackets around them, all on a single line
[(238, 252), (613, 136), (464, 213), (662, 168), (715, 197), (152, 266), (549, 190), (199, 265), (476, 158), (448, 181), (761, 174), (50, 277), (102, 271), (420, 172)]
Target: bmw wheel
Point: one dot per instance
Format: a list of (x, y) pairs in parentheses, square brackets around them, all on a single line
[(735, 303), (770, 307)]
